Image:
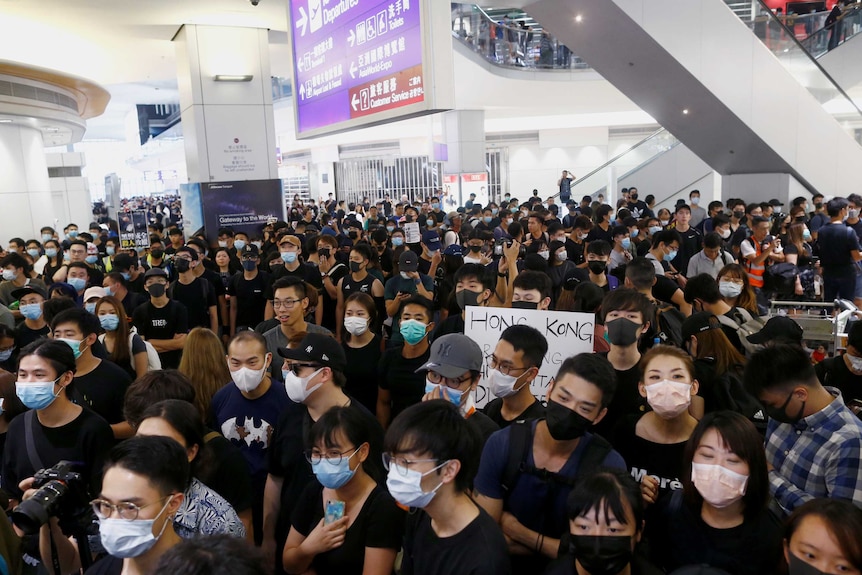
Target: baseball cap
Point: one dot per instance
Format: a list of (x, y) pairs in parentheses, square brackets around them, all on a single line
[(291, 240), (317, 348), (27, 290), (778, 329), (155, 273), (95, 291), (452, 355), (250, 250), (123, 262), (775, 203), (92, 250), (453, 250), (431, 239), (408, 261), (698, 323)]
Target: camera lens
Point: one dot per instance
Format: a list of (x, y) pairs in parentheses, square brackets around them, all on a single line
[(31, 514)]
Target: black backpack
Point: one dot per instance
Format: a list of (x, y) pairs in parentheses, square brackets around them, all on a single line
[(668, 324)]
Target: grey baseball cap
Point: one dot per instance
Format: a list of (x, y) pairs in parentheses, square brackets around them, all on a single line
[(452, 355)]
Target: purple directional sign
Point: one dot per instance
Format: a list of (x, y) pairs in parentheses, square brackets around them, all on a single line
[(353, 60)]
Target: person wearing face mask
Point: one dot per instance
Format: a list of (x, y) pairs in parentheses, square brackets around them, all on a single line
[(141, 492), (710, 259), (625, 314), (598, 256), (399, 386), (408, 282), (812, 439), (703, 294), (512, 368), (368, 530), (78, 276), (290, 247), (621, 253), (162, 321), (196, 294), (124, 347), (60, 429), (474, 287), (560, 268), (16, 275), (698, 214), (575, 241), (531, 290), (452, 373), (313, 372), (331, 272), (839, 253), (247, 411), (734, 287), (248, 292), (606, 522), (358, 281), (99, 384), (431, 255), (719, 518), (362, 345), (665, 247), (844, 371), (526, 471), (652, 443), (822, 537), (30, 299), (431, 456)]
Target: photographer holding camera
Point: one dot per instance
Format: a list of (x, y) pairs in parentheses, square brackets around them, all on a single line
[(54, 430)]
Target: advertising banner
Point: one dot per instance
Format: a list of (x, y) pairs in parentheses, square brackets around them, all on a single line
[(475, 184), (242, 206), (451, 192), (568, 334), (193, 210), (133, 230)]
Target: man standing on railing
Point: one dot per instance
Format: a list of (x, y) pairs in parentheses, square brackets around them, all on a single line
[(565, 185)]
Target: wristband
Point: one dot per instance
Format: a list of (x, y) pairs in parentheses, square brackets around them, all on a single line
[(502, 275)]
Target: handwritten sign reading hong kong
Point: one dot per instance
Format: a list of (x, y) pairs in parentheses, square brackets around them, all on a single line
[(568, 334)]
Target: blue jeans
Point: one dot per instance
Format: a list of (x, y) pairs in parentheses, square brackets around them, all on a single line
[(843, 287)]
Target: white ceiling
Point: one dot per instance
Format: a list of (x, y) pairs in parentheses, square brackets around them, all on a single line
[(125, 45)]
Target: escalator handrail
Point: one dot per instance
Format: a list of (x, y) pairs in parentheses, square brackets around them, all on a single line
[(767, 11), (805, 42), (612, 160)]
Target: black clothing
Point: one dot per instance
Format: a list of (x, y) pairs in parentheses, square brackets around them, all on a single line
[(483, 425), (627, 400), (597, 233), (25, 336), (494, 410), (162, 323), (249, 297), (228, 474), (645, 457), (834, 372), (198, 297), (107, 565), (337, 272), (103, 390), (690, 243), (361, 372), (835, 242), (397, 374), (575, 252), (452, 324)]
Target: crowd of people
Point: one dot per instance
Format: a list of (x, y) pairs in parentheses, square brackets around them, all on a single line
[(301, 398)]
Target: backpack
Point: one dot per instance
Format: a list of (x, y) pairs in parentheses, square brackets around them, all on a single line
[(781, 278), (729, 393), (748, 326), (520, 443), (668, 324), (154, 362)]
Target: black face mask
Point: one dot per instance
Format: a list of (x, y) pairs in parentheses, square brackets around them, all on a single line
[(183, 265), (355, 266), (157, 254), (565, 424), (353, 234), (475, 249), (323, 253), (817, 206), (634, 197), (800, 567), (599, 555), (622, 331), (597, 267), (779, 414), (249, 265), (466, 297), (156, 290), (738, 215), (525, 305)]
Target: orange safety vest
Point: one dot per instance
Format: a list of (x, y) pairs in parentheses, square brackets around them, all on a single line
[(755, 271)]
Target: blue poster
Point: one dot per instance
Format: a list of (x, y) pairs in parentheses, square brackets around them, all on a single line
[(243, 206)]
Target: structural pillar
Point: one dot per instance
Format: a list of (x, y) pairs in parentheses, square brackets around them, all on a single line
[(226, 103), (464, 134), (24, 182)]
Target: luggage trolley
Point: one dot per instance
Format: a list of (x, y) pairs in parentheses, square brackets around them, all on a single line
[(821, 322)]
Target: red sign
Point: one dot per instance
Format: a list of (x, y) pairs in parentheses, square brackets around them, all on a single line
[(450, 179), (474, 177), (387, 93)]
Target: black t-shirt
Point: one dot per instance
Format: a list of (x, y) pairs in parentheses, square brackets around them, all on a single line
[(834, 372), (483, 425), (350, 286), (86, 439), (103, 390), (397, 374), (361, 372), (107, 565), (249, 297), (306, 272), (424, 266), (836, 241), (379, 524), (575, 252), (198, 297), (597, 233), (132, 301), (162, 323), (494, 410), (452, 324), (689, 245), (227, 473), (25, 336), (479, 549), (645, 457), (627, 400), (337, 272), (664, 289)]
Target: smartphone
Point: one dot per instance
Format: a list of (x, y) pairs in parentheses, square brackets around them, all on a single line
[(334, 511)]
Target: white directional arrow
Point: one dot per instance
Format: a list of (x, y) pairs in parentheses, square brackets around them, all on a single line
[(302, 91), (351, 38), (353, 102), (353, 70), (299, 65), (303, 20)]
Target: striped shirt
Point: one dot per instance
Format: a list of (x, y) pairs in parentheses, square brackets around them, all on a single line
[(819, 456)]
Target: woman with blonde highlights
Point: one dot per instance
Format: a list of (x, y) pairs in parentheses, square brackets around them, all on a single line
[(204, 364)]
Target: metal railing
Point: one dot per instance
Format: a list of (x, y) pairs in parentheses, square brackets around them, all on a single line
[(507, 44), (823, 39)]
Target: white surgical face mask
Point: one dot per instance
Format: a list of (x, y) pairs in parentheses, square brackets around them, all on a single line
[(545, 255), (502, 385), (855, 362), (295, 385), (668, 398), (126, 539), (405, 486), (719, 486), (248, 380), (729, 289), (356, 325)]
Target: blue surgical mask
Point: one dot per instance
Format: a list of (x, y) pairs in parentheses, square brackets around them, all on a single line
[(51, 252), (333, 476), (109, 292), (77, 283), (671, 255), (513, 210), (91, 259), (635, 233), (390, 229), (75, 344), (413, 330), (397, 241), (239, 244), (453, 396), (90, 307), (435, 206), (654, 229), (31, 311), (626, 243), (47, 238), (5, 355), (288, 257), (613, 218), (110, 322), (110, 250), (34, 253), (126, 276), (9, 275), (430, 222), (494, 211), (806, 234), (67, 257), (73, 233), (36, 394), (487, 219)]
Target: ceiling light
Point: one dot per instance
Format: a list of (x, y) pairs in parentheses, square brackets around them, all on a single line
[(685, 111), (233, 78), (52, 130), (5, 121), (579, 18)]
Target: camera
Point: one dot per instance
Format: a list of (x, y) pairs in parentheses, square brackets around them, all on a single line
[(254, 2), (500, 242), (61, 493)]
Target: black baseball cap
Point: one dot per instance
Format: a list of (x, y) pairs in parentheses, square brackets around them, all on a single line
[(317, 348), (779, 328), (27, 290), (155, 273), (250, 250), (698, 323), (123, 262)]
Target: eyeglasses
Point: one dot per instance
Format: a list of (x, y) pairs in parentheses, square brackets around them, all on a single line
[(401, 464), (494, 363), (125, 509), (285, 303), (295, 367), (438, 379), (333, 458)]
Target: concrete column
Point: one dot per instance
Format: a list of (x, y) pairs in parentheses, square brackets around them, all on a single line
[(24, 186), (464, 135), (226, 103)]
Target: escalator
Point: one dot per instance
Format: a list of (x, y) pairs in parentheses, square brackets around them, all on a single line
[(705, 77)]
